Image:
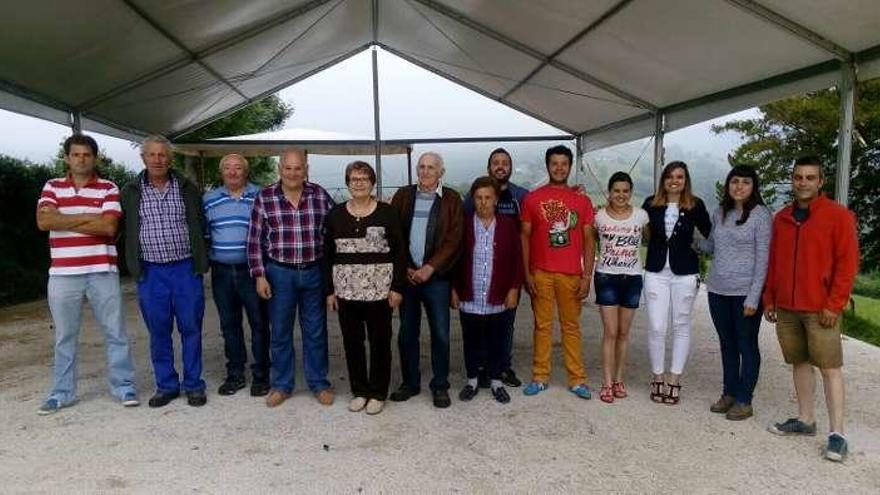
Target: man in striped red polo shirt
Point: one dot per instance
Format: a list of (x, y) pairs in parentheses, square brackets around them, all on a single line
[(81, 212)]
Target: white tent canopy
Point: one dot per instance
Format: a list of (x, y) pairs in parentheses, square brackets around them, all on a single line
[(606, 70)]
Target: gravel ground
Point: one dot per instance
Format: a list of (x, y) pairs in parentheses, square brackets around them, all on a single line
[(551, 443)]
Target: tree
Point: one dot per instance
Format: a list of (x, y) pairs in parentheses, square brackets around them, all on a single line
[(267, 114), (105, 167), (24, 251), (808, 124)]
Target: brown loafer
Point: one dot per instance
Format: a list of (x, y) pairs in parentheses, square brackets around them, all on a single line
[(276, 398), (722, 405), (325, 397), (739, 412)]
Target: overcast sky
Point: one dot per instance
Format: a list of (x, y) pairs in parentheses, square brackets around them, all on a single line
[(414, 103)]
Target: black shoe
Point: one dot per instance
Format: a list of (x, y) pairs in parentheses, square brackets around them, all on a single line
[(403, 394), (467, 393), (483, 379), (231, 385), (501, 395), (196, 398), (509, 378), (441, 399), (259, 389), (161, 399)]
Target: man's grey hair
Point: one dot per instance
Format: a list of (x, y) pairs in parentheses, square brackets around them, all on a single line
[(156, 138), (434, 155), (230, 157)]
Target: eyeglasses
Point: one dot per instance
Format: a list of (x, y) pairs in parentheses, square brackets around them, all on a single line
[(361, 180)]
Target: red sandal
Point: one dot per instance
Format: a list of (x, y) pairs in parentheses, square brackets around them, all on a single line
[(619, 390), (606, 394)]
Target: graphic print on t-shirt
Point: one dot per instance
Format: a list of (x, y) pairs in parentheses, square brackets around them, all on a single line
[(562, 221), (621, 245)]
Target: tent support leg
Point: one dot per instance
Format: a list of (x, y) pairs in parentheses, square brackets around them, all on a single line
[(847, 89), (378, 133), (659, 131)]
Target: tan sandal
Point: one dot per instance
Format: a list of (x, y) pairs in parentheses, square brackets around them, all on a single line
[(658, 394), (673, 394)]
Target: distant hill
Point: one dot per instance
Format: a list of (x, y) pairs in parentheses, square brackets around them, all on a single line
[(465, 162)]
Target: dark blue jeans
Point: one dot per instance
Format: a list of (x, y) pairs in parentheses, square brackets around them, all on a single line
[(434, 295), (294, 289), (234, 290), (740, 355), (170, 292)]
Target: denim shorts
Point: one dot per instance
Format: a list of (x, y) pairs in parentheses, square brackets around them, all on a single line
[(618, 290)]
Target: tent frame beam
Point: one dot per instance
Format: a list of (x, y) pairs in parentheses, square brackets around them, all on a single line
[(269, 92), (793, 27), (475, 89), (206, 52), (191, 55), (579, 36), (829, 66), (541, 57)]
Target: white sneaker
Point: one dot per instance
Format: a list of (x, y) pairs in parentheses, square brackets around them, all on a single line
[(375, 406), (357, 404)]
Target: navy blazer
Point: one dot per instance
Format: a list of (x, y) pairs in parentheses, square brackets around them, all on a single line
[(683, 260)]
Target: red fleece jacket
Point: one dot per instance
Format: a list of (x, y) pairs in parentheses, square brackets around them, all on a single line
[(813, 264)]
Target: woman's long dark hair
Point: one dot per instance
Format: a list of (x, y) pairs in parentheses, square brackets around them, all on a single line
[(754, 200)]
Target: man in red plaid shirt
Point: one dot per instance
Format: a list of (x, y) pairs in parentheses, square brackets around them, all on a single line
[(284, 249)]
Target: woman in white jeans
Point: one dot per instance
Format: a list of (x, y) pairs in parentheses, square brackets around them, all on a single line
[(672, 275)]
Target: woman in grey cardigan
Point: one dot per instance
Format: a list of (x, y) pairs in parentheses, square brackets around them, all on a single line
[(740, 242)]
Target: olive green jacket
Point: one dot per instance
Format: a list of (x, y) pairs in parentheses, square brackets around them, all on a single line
[(131, 223)]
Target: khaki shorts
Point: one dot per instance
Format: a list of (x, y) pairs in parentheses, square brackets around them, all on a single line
[(803, 339)]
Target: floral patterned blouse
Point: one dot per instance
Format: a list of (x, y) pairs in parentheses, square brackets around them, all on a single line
[(364, 257)]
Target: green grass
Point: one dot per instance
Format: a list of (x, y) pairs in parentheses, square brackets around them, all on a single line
[(864, 322)]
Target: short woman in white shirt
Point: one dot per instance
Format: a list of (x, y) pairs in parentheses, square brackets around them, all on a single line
[(618, 279)]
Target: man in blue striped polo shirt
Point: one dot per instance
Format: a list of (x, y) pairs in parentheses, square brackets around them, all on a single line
[(227, 211)]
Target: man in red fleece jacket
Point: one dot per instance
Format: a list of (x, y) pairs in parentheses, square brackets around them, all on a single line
[(814, 259)]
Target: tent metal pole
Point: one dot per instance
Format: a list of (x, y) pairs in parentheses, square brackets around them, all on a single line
[(76, 122), (409, 165), (659, 130), (847, 90), (378, 132), (578, 160)]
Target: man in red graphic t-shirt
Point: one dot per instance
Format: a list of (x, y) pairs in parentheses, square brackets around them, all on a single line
[(558, 243)]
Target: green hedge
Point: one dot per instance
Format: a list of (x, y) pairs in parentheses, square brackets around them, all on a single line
[(868, 285), (24, 250)]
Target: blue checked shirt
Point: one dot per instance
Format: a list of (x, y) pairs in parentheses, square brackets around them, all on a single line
[(481, 271), (227, 221), (164, 234)]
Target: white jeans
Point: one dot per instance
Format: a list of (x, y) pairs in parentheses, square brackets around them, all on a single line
[(665, 291)]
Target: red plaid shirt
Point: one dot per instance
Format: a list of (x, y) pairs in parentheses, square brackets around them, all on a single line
[(284, 232)]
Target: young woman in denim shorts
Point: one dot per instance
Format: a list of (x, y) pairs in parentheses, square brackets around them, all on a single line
[(618, 279)]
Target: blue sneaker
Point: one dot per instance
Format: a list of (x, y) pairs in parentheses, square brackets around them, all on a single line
[(836, 449), (130, 399), (583, 391), (534, 388), (51, 406)]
